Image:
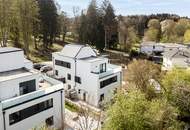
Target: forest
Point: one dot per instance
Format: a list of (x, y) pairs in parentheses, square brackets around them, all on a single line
[(41, 23)]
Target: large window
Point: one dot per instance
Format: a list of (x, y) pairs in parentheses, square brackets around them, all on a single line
[(108, 81), (103, 68), (63, 63), (30, 111), (77, 79), (27, 87)]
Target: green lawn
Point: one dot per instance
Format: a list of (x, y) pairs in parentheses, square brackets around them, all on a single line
[(71, 107), (41, 55)]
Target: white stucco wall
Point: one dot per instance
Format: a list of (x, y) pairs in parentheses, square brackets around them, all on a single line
[(108, 91), (11, 61), (63, 71), (37, 119), (10, 88), (86, 52), (1, 119), (89, 82), (95, 66), (151, 48)]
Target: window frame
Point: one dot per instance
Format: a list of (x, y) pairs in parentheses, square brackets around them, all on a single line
[(68, 76), (78, 79), (63, 64), (108, 81), (30, 111)]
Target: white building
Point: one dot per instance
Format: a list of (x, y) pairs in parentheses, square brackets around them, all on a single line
[(27, 99), (179, 58), (92, 78), (152, 47)]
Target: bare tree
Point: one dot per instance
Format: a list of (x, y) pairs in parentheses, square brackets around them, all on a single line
[(88, 119), (76, 21)]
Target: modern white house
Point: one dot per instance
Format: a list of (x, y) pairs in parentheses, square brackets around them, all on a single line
[(86, 75), (179, 58), (27, 99)]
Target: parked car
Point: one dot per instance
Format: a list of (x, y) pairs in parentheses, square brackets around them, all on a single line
[(45, 69), (38, 66)]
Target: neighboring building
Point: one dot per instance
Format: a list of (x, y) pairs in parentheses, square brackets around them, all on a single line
[(179, 58), (27, 99), (90, 77), (150, 48)]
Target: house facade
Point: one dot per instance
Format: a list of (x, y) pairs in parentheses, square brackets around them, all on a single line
[(27, 98), (150, 48), (179, 58), (89, 76)]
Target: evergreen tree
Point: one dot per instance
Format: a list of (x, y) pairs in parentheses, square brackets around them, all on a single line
[(110, 23), (48, 18), (28, 13), (5, 21)]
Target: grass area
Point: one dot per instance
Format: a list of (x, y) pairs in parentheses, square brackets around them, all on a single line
[(40, 54), (71, 107), (70, 40)]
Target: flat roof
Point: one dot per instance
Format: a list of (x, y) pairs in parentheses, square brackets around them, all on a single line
[(18, 73), (9, 49), (45, 84)]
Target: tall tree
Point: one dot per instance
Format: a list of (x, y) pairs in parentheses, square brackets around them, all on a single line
[(15, 25), (168, 30), (82, 31), (132, 111), (28, 13), (127, 33), (94, 27), (177, 91), (48, 17), (154, 30), (109, 21), (63, 24), (140, 76), (5, 20)]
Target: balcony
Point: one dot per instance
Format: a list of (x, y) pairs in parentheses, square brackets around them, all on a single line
[(111, 69), (48, 86)]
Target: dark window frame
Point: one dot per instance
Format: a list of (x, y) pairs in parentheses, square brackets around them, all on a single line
[(30, 111), (63, 64), (103, 67), (69, 76), (107, 82), (56, 72), (27, 86), (77, 79), (102, 97)]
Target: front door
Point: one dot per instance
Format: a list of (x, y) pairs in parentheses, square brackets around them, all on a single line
[(84, 96)]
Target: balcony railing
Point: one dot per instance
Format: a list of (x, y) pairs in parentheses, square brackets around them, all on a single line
[(56, 85), (111, 69)]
